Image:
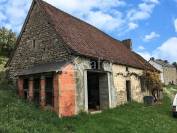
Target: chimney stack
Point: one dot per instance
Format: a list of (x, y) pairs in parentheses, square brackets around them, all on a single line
[(127, 43)]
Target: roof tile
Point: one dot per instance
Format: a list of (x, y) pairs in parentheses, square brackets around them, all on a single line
[(87, 40)]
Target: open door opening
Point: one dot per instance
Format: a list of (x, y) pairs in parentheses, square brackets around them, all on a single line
[(49, 91), (93, 92), (98, 92), (25, 86), (36, 85), (128, 90)]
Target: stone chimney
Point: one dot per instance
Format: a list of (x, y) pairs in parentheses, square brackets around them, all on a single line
[(127, 43)]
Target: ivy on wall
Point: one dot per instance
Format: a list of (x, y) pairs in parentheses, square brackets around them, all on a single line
[(128, 74)]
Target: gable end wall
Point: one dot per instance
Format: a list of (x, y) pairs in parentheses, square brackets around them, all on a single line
[(49, 48)]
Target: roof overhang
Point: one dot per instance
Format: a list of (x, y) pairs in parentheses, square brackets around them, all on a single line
[(42, 68)]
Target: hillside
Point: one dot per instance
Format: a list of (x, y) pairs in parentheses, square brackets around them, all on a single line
[(19, 116)]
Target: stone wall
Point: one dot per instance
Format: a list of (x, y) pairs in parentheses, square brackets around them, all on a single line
[(116, 83), (120, 75), (81, 67), (81, 64), (170, 75), (48, 48)]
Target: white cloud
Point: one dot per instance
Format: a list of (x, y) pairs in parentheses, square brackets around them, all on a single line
[(2, 17), (166, 51), (146, 55), (85, 5), (100, 13), (152, 1), (102, 20), (132, 26), (103, 14), (141, 48), (151, 36), (15, 12), (143, 11), (146, 7), (175, 23)]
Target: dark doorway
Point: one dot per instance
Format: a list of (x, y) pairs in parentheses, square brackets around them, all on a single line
[(36, 85), (49, 91), (98, 92), (128, 90), (25, 86), (93, 91)]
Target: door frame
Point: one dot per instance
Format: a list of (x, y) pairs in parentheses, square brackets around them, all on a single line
[(128, 90), (86, 86)]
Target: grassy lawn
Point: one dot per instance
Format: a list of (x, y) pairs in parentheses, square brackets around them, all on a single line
[(18, 116), (171, 90)]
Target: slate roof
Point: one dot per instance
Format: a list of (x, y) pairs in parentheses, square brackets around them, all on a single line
[(163, 63)]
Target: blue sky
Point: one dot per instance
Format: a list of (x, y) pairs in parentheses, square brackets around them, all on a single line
[(151, 24)]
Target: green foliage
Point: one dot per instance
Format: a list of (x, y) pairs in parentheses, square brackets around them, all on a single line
[(19, 116), (171, 90), (7, 41), (171, 86), (3, 79), (154, 84), (152, 80)]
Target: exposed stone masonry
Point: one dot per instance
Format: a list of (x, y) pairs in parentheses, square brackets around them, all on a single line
[(47, 49)]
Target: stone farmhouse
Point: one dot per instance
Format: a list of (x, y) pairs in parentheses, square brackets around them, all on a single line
[(64, 63), (168, 72)]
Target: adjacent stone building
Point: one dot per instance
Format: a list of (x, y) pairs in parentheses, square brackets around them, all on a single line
[(168, 72), (71, 66)]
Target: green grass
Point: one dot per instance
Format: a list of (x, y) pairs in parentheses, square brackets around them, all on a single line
[(171, 90), (18, 116)]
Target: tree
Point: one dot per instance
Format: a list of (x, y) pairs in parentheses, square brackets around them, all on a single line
[(7, 41), (153, 83)]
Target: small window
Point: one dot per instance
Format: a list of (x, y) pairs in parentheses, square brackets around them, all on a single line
[(45, 49), (34, 44), (127, 69)]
